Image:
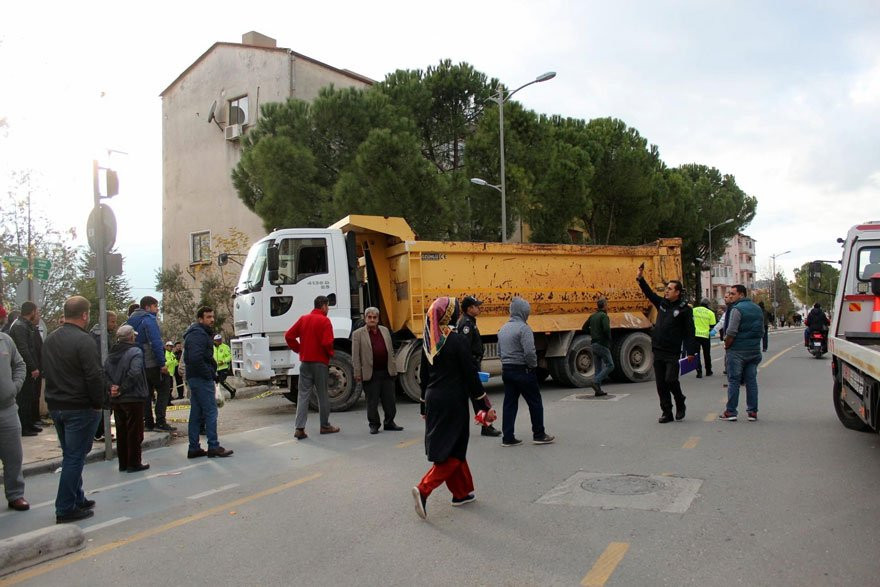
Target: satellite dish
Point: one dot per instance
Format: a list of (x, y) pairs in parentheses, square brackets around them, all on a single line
[(212, 111)]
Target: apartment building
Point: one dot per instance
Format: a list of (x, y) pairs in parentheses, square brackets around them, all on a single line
[(736, 265)]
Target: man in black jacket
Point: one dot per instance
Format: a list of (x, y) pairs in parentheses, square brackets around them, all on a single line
[(75, 394), (29, 343), (467, 325), (674, 327)]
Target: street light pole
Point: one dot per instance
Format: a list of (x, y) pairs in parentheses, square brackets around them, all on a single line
[(773, 283), (710, 228), (500, 99)]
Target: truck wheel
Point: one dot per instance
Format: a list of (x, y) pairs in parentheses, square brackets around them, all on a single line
[(292, 391), (847, 417), (575, 369), (542, 374), (341, 387), (633, 358), (409, 379)]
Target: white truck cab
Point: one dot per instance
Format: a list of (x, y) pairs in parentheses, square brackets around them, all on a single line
[(854, 340)]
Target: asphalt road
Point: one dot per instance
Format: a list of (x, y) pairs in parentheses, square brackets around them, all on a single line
[(618, 500)]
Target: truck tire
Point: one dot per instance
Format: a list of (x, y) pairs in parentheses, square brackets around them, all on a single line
[(409, 379), (633, 359), (575, 369), (292, 391), (341, 387), (847, 417)]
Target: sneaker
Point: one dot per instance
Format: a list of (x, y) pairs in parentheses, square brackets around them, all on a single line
[(753, 416), (420, 501), (75, 516), (469, 498), (511, 442), (665, 418), (490, 431), (729, 416), (194, 454), (219, 452), (543, 439)]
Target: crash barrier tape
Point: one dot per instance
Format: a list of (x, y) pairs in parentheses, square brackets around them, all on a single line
[(264, 394), (178, 420), (172, 408)]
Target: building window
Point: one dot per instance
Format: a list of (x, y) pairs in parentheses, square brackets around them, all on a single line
[(238, 111), (200, 247)]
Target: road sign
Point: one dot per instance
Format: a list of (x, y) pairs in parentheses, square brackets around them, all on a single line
[(21, 293), (41, 268), (16, 261), (109, 228)]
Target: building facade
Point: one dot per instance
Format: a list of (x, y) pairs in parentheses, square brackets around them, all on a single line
[(736, 265), (205, 112)]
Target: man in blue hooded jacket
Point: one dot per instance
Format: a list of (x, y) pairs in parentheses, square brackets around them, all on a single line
[(149, 338)]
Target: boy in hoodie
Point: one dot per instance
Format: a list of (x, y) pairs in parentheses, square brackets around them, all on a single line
[(516, 347), (13, 371), (143, 320)]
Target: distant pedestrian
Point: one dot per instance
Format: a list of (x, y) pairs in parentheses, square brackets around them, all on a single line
[(373, 361), (704, 321), (467, 326), (74, 393), (223, 358), (674, 328), (312, 338), (519, 359), (111, 337), (13, 371), (26, 334), (600, 336), (449, 382), (143, 320), (201, 373), (125, 373), (742, 340), (767, 319)]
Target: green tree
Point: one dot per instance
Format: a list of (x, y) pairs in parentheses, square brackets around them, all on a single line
[(829, 275), (116, 288)]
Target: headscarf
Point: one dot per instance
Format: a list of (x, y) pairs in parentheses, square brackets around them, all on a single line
[(439, 322)]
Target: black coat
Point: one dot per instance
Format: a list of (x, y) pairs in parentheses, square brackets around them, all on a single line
[(125, 368), (467, 327), (674, 326), (447, 387), (29, 343)]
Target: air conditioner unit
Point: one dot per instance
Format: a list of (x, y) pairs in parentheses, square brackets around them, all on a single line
[(233, 132)]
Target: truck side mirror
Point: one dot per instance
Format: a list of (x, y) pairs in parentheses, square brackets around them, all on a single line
[(272, 262), (222, 259)]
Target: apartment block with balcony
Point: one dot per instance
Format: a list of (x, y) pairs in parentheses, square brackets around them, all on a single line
[(736, 265)]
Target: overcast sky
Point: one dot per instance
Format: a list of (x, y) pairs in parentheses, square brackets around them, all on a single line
[(783, 95)]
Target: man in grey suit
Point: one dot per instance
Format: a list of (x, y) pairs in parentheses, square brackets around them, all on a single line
[(373, 359)]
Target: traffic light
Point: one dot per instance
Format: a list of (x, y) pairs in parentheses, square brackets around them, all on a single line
[(112, 183)]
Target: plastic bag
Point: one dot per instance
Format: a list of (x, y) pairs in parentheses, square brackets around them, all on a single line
[(218, 395)]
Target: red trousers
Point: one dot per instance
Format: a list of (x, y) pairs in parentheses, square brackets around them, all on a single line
[(455, 473)]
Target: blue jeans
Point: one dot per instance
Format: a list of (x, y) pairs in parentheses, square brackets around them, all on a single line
[(601, 357), (202, 407), (520, 382), (76, 431), (742, 367)]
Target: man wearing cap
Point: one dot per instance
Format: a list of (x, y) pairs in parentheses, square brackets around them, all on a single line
[(467, 326), (124, 369), (223, 357)]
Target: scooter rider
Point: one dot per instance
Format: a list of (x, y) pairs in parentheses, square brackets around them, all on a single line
[(817, 321)]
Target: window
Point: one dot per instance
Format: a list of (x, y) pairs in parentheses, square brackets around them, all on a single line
[(200, 247), (869, 262), (299, 258), (238, 111)]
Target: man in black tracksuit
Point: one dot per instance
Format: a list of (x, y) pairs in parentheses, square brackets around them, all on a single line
[(674, 326), (467, 326)]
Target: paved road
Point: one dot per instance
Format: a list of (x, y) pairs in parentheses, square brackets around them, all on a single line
[(788, 500)]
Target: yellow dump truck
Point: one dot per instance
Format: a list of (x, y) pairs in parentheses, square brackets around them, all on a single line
[(364, 261)]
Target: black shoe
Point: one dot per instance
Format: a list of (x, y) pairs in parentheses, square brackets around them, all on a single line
[(231, 394), (219, 452), (137, 468), (699, 375), (679, 412), (88, 504), (374, 430), (166, 427), (600, 393), (490, 431), (149, 427), (29, 432), (511, 442), (194, 454), (36, 427), (74, 516), (393, 427), (708, 374), (461, 501), (421, 503), (665, 418)]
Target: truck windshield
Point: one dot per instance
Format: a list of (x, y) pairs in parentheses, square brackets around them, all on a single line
[(253, 269), (869, 262)]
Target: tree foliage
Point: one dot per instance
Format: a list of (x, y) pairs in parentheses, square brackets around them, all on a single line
[(117, 293), (800, 287)]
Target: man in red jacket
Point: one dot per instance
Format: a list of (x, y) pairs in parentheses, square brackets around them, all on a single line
[(312, 338)]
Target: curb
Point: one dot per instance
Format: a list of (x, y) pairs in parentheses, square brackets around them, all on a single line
[(97, 454), (31, 548)]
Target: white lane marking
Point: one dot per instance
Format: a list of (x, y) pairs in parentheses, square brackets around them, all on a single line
[(212, 491), (362, 447), (255, 430), (106, 524), (283, 442)]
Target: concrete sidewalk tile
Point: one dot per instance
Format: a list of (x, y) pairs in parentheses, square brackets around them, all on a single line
[(31, 548)]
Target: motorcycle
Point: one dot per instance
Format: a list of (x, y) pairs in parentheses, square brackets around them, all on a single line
[(818, 344)]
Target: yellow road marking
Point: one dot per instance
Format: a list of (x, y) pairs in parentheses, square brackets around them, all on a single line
[(410, 442), (774, 357), (710, 417), (605, 565), (93, 552), (691, 442)]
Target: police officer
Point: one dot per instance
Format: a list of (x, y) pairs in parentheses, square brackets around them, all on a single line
[(467, 326)]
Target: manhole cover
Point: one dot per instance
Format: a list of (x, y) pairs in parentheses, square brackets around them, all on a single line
[(622, 485)]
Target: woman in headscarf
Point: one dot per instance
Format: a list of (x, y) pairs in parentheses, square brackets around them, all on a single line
[(448, 380)]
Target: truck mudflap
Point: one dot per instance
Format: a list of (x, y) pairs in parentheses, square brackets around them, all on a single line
[(251, 359)]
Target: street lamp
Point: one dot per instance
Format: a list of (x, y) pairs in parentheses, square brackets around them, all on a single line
[(773, 285), (710, 229), (500, 99)]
